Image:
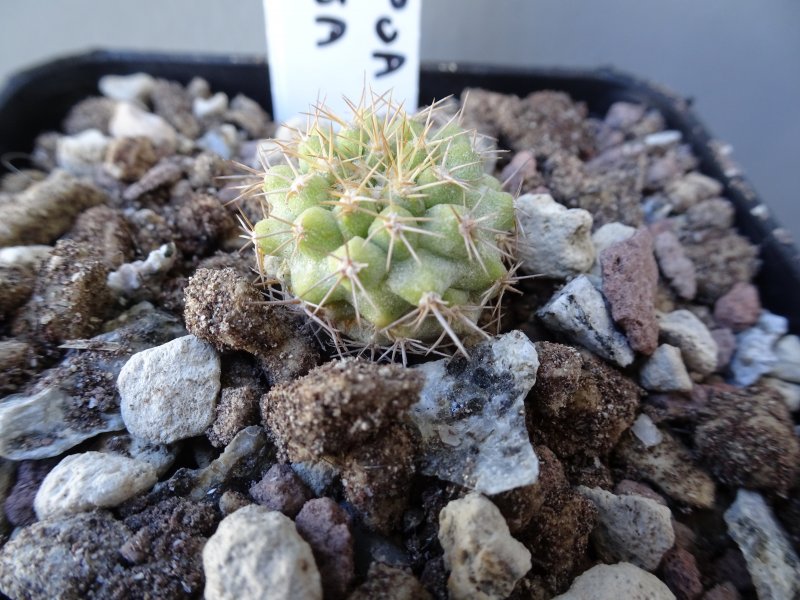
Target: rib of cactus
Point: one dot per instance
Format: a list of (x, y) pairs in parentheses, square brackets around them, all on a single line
[(387, 231)]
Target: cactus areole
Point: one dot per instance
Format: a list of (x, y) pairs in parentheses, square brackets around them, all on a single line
[(386, 230)]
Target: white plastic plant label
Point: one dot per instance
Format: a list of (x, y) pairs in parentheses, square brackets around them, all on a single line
[(322, 50)]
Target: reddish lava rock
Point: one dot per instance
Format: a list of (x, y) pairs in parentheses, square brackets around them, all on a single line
[(630, 281), (739, 308)]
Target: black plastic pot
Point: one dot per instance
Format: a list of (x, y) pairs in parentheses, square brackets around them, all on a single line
[(37, 100)]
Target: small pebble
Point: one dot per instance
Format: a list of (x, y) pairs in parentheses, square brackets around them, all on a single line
[(127, 88), (484, 561), (755, 349), (771, 560), (210, 107), (579, 311), (613, 582), (633, 529), (282, 490), (129, 120), (664, 371), (90, 480), (554, 241), (739, 308), (684, 330), (169, 392), (257, 553)]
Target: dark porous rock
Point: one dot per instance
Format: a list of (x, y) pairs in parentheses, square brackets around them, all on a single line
[(129, 158), (107, 230), (558, 539), (201, 223), (739, 308), (206, 171), (714, 214), (237, 408), (282, 490), (377, 475), (389, 583), (579, 405), (749, 440), (231, 501), (542, 122), (731, 568), (248, 114), (172, 102), (338, 406), (45, 210), (150, 230), (674, 263), (93, 112), (72, 557), (690, 190), (611, 196), (630, 277), (225, 309), (163, 555), (520, 175), (19, 502), (721, 260), (326, 527), (70, 299), (18, 362), (521, 505), (669, 465), (19, 266), (679, 571), (163, 174)]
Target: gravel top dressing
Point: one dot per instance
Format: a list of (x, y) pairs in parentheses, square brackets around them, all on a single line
[(498, 349)]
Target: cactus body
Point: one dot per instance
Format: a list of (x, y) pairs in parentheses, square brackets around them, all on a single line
[(386, 230)]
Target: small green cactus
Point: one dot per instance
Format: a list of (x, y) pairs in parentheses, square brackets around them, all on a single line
[(386, 230)]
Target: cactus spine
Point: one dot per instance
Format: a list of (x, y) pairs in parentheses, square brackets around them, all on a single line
[(386, 230)]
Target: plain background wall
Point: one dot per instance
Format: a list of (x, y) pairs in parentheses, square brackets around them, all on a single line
[(739, 59)]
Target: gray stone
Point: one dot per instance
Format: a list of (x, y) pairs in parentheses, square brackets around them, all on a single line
[(771, 560), (471, 415), (683, 329), (612, 582), (664, 371), (90, 480), (631, 528), (787, 352), (257, 553), (755, 349), (580, 312), (484, 561), (554, 241), (169, 392), (127, 88), (78, 399), (674, 264)]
